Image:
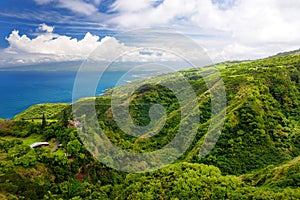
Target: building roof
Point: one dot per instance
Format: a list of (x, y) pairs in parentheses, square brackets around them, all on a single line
[(38, 144)]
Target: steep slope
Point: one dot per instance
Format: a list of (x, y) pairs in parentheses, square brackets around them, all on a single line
[(262, 122), (281, 176), (261, 126), (259, 141)]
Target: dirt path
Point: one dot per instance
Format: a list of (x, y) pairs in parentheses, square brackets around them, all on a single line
[(55, 146)]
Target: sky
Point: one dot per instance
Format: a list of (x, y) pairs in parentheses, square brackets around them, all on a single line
[(49, 31)]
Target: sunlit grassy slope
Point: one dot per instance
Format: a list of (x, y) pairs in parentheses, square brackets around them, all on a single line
[(51, 111)]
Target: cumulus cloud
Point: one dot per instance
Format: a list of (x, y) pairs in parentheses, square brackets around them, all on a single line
[(227, 29), (47, 47), (51, 47), (49, 43)]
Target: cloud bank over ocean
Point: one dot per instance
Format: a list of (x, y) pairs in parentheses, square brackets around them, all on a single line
[(226, 29), (48, 46)]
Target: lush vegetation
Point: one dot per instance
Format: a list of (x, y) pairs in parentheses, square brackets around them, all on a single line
[(256, 157), (194, 181), (51, 111), (285, 175)]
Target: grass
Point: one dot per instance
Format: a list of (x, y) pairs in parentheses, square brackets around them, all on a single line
[(32, 139), (27, 140), (51, 111), (39, 121)]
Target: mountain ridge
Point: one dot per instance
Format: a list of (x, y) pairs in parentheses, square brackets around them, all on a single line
[(256, 156)]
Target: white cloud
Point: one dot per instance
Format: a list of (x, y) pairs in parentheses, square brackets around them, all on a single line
[(77, 6), (97, 2), (49, 43), (131, 6), (47, 47), (132, 14), (43, 1), (50, 47), (44, 27), (269, 25), (227, 29)]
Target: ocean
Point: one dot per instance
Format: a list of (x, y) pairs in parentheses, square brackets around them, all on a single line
[(22, 89)]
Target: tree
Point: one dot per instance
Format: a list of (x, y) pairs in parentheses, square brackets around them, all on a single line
[(44, 122), (64, 119), (74, 147)]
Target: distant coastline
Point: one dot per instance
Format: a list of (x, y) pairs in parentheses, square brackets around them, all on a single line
[(22, 89)]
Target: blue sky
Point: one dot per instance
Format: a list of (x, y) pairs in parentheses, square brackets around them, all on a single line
[(26, 15), (226, 29)]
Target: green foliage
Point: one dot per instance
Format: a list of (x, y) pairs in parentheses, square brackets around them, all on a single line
[(284, 175), (64, 119), (193, 181), (7, 145), (44, 122), (74, 147), (261, 125), (18, 151), (260, 141), (262, 121), (52, 111), (23, 187), (27, 160), (15, 128)]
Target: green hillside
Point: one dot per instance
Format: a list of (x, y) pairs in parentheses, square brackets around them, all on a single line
[(256, 156), (51, 111), (284, 175), (262, 121), (194, 181)]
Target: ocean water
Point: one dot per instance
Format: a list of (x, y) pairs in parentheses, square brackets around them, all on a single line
[(22, 89)]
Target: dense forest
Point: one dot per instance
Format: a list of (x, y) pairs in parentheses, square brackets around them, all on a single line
[(256, 157)]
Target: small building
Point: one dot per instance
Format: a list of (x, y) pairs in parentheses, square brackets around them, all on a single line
[(75, 123), (39, 144)]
